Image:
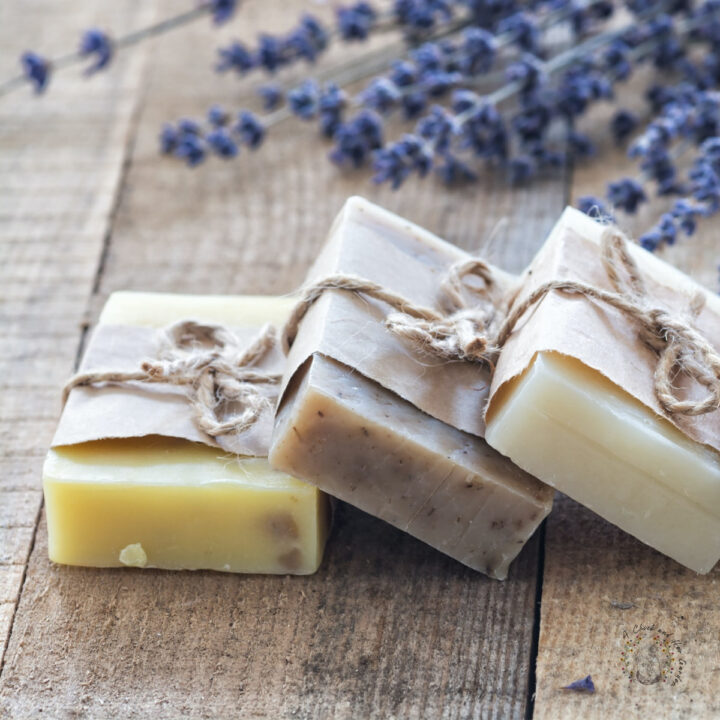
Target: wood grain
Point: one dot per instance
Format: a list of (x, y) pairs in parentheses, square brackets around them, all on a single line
[(60, 165), (592, 570), (388, 627)]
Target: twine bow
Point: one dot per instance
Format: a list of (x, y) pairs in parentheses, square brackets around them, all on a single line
[(461, 334), (680, 348), (216, 371)]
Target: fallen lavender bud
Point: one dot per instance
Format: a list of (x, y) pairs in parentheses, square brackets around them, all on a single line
[(96, 43)]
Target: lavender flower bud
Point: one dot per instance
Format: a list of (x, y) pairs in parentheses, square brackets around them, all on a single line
[(478, 51), (218, 116), (272, 96), (250, 129), (36, 69), (221, 10), (235, 57), (303, 100), (356, 21), (222, 143), (191, 148), (626, 194), (95, 42)]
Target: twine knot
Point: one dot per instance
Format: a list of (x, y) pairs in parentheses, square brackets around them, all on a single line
[(680, 348), (219, 375), (461, 333)]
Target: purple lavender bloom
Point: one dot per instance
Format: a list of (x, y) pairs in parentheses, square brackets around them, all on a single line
[(438, 82), (191, 148), (36, 69), (272, 96), (168, 139), (483, 130), (522, 30), (270, 53), (579, 144), (303, 100), (686, 214), (584, 685), (331, 104), (235, 57), (478, 51), (250, 129), (221, 10), (404, 74), (357, 138), (453, 171), (521, 169), (421, 15), (308, 40), (221, 142), (315, 31), (382, 94), (97, 43), (664, 233), (623, 124), (356, 21), (595, 208), (528, 73), (626, 194), (616, 60), (218, 116), (580, 86), (438, 128), (706, 122), (186, 126), (428, 57), (395, 163), (533, 119)]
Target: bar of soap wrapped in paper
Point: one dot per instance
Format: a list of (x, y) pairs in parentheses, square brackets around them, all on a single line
[(371, 419), (575, 398), (131, 479)]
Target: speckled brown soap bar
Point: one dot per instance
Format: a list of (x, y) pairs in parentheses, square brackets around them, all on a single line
[(399, 434), (365, 445)]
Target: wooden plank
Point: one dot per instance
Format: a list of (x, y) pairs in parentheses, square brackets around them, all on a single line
[(388, 627), (60, 165), (600, 583)]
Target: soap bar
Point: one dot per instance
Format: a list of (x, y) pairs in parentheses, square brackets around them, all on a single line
[(171, 503), (573, 403), (375, 421), (365, 445), (582, 434)]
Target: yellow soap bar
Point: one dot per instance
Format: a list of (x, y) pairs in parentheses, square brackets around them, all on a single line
[(174, 504)]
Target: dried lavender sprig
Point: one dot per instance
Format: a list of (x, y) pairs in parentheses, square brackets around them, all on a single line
[(688, 115), (385, 57), (484, 130), (188, 141), (411, 153), (311, 38), (221, 11), (384, 94)]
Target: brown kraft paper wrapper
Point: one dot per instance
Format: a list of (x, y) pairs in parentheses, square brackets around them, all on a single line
[(133, 410), (349, 327), (600, 336)]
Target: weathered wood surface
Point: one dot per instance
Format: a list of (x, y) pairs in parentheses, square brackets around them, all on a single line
[(388, 627)]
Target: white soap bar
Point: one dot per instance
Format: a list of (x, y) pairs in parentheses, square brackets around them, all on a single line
[(577, 431)]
